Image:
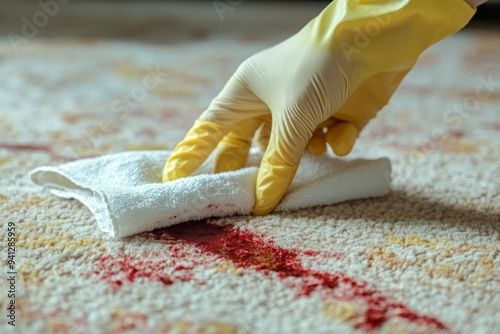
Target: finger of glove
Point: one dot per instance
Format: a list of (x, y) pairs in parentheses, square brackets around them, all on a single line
[(234, 104), (287, 143), (341, 137), (317, 143), (189, 154), (232, 151)]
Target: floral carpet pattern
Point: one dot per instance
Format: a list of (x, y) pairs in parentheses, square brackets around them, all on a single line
[(424, 259)]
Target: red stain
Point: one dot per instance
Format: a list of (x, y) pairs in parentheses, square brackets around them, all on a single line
[(334, 255), (117, 269), (248, 250), (41, 313), (199, 33), (26, 147), (35, 148), (457, 134), (400, 146), (76, 118), (225, 205), (80, 321), (383, 132), (311, 252)]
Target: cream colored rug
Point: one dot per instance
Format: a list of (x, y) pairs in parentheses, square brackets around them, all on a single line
[(424, 259)]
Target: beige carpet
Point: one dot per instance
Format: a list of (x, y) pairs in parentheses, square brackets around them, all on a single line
[(424, 259)]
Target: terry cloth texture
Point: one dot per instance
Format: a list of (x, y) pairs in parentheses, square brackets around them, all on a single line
[(125, 193), (106, 78)]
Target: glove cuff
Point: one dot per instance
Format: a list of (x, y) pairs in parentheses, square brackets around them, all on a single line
[(384, 35)]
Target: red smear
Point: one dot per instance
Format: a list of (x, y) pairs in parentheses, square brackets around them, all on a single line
[(199, 33), (383, 132), (334, 255), (457, 134), (76, 118), (400, 146), (80, 321), (117, 269), (248, 250), (41, 314), (26, 147), (34, 147)]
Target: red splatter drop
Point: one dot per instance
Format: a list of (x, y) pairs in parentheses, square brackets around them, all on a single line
[(311, 252), (249, 250)]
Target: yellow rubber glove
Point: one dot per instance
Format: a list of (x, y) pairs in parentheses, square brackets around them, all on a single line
[(321, 85)]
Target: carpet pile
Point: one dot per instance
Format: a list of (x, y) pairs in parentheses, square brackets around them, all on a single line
[(423, 259)]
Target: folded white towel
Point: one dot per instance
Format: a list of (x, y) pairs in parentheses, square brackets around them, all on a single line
[(125, 193)]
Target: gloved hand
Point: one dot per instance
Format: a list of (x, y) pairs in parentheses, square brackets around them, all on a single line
[(321, 85)]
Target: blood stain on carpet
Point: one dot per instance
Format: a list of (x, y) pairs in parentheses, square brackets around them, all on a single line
[(127, 268), (248, 250), (27, 147), (34, 148)]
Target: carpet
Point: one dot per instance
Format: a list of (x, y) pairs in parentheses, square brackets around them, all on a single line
[(105, 78)]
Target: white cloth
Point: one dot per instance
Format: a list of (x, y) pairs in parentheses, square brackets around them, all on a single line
[(125, 193)]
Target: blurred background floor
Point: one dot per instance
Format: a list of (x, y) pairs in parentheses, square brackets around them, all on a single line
[(148, 21)]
